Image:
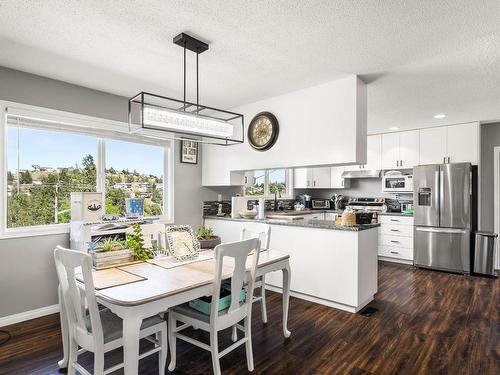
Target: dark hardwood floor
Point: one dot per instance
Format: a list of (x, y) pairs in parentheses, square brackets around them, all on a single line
[(427, 323)]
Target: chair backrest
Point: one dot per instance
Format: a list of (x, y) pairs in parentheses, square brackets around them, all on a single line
[(238, 252), (68, 264), (256, 230)]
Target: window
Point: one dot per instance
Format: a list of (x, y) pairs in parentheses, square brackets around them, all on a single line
[(43, 168), (134, 170), (47, 160), (265, 183)]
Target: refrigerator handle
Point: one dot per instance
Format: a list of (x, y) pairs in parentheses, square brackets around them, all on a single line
[(440, 230), (441, 192)]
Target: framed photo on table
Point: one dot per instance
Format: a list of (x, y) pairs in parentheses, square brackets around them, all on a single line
[(189, 152)]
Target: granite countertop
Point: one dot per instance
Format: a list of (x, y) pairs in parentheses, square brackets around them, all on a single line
[(312, 223), (395, 214)]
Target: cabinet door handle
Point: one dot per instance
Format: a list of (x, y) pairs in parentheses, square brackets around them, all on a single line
[(395, 220), (401, 163), (449, 159), (444, 160), (342, 182), (394, 252), (394, 230), (246, 180), (314, 183), (394, 241)]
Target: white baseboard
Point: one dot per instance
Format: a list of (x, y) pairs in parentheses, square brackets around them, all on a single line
[(321, 301), (27, 315)]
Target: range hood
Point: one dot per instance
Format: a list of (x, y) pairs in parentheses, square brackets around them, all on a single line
[(362, 173)]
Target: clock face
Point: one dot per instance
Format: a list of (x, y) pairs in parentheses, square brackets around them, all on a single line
[(263, 131)]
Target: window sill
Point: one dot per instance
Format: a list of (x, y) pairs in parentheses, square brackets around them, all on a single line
[(35, 231)]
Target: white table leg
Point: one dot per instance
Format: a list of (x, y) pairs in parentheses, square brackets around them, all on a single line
[(63, 363), (286, 298), (131, 328)]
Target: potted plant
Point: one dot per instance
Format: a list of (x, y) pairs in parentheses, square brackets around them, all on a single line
[(110, 251), (135, 242), (207, 238)]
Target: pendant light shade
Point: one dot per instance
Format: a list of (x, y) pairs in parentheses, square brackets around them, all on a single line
[(167, 118)]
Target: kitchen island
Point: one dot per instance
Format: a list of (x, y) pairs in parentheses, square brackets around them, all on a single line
[(331, 264)]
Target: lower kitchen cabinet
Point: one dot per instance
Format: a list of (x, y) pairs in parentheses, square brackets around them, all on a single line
[(395, 238)]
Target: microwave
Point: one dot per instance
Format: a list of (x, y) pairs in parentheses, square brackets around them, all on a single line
[(397, 184), (320, 204)]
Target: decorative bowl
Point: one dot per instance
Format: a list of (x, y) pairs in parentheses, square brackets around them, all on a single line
[(247, 214)]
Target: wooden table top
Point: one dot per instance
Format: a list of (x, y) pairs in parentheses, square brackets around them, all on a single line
[(161, 282)]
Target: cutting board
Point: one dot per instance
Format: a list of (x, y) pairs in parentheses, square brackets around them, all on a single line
[(285, 217)]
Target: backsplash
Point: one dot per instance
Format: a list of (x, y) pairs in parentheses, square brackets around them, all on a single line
[(211, 208)]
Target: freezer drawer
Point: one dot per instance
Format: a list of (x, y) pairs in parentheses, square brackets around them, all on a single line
[(442, 248)]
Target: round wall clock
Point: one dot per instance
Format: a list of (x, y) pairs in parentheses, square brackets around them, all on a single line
[(263, 131)]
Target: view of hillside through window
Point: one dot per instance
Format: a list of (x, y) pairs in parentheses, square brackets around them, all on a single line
[(44, 167)]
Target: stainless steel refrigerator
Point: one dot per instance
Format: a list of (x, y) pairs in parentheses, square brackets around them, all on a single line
[(443, 216)]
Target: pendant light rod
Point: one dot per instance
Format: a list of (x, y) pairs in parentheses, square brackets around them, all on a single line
[(184, 76), (197, 84)]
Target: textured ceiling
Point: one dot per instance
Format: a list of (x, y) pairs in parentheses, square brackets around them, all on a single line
[(419, 57)]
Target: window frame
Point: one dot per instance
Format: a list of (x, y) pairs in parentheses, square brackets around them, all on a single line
[(101, 129), (267, 194)]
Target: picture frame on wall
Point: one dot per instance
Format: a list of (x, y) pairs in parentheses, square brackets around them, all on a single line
[(189, 152)]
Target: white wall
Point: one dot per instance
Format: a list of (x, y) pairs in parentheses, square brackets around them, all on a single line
[(321, 125)]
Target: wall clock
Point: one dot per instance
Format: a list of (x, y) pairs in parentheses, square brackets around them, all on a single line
[(263, 131)]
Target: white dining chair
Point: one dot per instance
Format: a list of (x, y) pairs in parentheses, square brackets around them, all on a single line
[(238, 252), (94, 330), (262, 232)]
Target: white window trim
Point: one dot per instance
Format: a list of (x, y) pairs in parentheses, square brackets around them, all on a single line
[(93, 126), (289, 184)]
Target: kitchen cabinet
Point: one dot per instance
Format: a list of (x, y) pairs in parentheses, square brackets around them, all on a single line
[(462, 143), (395, 238), (408, 149), (400, 149), (432, 145), (373, 154), (336, 181), (450, 144), (312, 178)]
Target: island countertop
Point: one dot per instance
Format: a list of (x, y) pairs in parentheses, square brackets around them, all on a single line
[(308, 223)]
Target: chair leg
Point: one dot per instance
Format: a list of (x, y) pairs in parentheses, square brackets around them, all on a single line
[(234, 334), (162, 357), (99, 361), (248, 343), (172, 324), (214, 346), (263, 300), (73, 356)]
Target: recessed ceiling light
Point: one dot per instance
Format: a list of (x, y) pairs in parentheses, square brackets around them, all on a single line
[(394, 128), (440, 115)]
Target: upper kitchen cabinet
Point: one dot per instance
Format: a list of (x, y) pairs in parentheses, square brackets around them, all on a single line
[(432, 145), (373, 154), (449, 144), (337, 182), (307, 178), (400, 150), (462, 143)]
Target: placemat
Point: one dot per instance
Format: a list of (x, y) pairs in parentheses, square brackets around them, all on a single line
[(111, 277), (171, 262)]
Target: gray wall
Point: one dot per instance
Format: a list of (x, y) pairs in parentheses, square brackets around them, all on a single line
[(490, 138), (27, 274)]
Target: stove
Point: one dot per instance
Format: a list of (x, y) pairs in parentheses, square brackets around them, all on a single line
[(367, 204)]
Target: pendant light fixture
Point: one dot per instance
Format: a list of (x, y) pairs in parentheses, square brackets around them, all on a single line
[(167, 118)]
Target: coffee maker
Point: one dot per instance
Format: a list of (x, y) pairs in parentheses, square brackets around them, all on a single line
[(306, 200)]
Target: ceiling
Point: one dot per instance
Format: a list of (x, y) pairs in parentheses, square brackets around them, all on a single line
[(419, 57)]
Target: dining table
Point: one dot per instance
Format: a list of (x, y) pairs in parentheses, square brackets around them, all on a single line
[(161, 288)]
